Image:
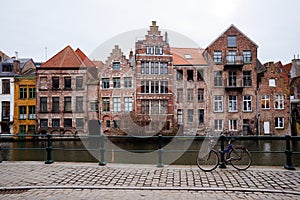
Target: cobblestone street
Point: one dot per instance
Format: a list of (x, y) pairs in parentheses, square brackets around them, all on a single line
[(35, 180)]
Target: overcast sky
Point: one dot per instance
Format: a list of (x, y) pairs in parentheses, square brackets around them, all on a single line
[(30, 26)]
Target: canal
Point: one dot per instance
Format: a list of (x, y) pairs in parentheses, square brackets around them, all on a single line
[(264, 152)]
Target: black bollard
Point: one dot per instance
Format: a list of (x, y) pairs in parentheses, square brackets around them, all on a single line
[(102, 151), (0, 156), (288, 153), (222, 164), (160, 152), (49, 150)]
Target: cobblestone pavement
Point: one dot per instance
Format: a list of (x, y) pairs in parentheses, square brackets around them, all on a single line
[(35, 180)]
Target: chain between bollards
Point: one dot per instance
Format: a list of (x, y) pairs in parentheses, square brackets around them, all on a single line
[(288, 152), (49, 150), (222, 164)]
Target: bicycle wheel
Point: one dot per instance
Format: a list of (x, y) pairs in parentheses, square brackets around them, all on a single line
[(209, 161), (240, 158)]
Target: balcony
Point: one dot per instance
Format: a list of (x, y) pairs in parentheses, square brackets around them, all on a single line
[(233, 84), (233, 61)]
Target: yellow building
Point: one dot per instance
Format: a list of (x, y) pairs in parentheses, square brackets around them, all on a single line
[(24, 100)]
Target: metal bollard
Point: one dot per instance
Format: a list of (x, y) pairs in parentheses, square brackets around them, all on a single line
[(102, 151), (160, 152), (288, 152), (222, 164), (0, 156), (49, 150)]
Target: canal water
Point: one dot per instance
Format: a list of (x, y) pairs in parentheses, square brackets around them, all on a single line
[(268, 153)]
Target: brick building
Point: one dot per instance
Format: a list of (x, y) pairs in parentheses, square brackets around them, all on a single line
[(116, 92), (61, 93), (190, 90), (232, 59), (274, 100), (295, 96), (154, 79)]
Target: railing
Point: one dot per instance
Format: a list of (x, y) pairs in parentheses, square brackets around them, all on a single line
[(234, 60), (102, 139)]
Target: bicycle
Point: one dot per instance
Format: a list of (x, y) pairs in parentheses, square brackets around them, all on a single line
[(238, 156)]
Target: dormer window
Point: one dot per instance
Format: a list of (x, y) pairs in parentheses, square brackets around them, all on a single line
[(7, 68), (231, 41), (187, 56), (116, 65), (150, 50)]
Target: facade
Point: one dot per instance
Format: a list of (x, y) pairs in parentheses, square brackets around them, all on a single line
[(295, 97), (232, 59), (24, 99), (61, 94), (190, 90), (117, 87), (154, 79), (274, 97)]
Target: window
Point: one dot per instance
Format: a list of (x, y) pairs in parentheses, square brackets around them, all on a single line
[(218, 57), (55, 104), (156, 67), (265, 101), (279, 102), (79, 123), (152, 68), (158, 50), (163, 107), (23, 93), (200, 75), (247, 103), (67, 104), (55, 123), (5, 86), (150, 50), (218, 124), (180, 95), (116, 65), (231, 41), (22, 129), (164, 87), (272, 82), (105, 104), (180, 116), (107, 123), (79, 82), (22, 112), (154, 106), (232, 104), (179, 75), (247, 56), (232, 79), (187, 56), (105, 83), (6, 67), (117, 104), (190, 94), (94, 106), (79, 104), (67, 123), (43, 83), (116, 82), (190, 115), (190, 75), (55, 83), (5, 110), (44, 123), (127, 82), (31, 129), (201, 116), (218, 78), (231, 58), (67, 82), (127, 104), (43, 104), (32, 93), (247, 79), (279, 122), (232, 125), (145, 106), (200, 94), (31, 112), (218, 103), (163, 68)]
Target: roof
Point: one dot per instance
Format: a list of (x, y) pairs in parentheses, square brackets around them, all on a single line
[(84, 58), (188, 56), (66, 58), (3, 55), (233, 26)]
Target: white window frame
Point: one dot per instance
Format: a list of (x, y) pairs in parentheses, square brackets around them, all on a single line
[(279, 122), (233, 125), (117, 104), (279, 100), (232, 103), (247, 103), (218, 103), (190, 113), (218, 124), (264, 99), (127, 104), (272, 82)]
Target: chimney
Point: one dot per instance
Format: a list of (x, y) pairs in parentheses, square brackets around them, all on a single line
[(16, 66), (130, 54), (153, 23)]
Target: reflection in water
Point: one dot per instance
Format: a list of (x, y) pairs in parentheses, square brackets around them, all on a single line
[(74, 151)]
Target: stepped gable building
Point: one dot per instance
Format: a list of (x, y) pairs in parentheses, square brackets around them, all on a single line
[(154, 79), (117, 87), (25, 99), (190, 90), (274, 100), (232, 59), (62, 93)]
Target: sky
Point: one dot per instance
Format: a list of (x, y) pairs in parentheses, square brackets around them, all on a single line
[(39, 29)]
